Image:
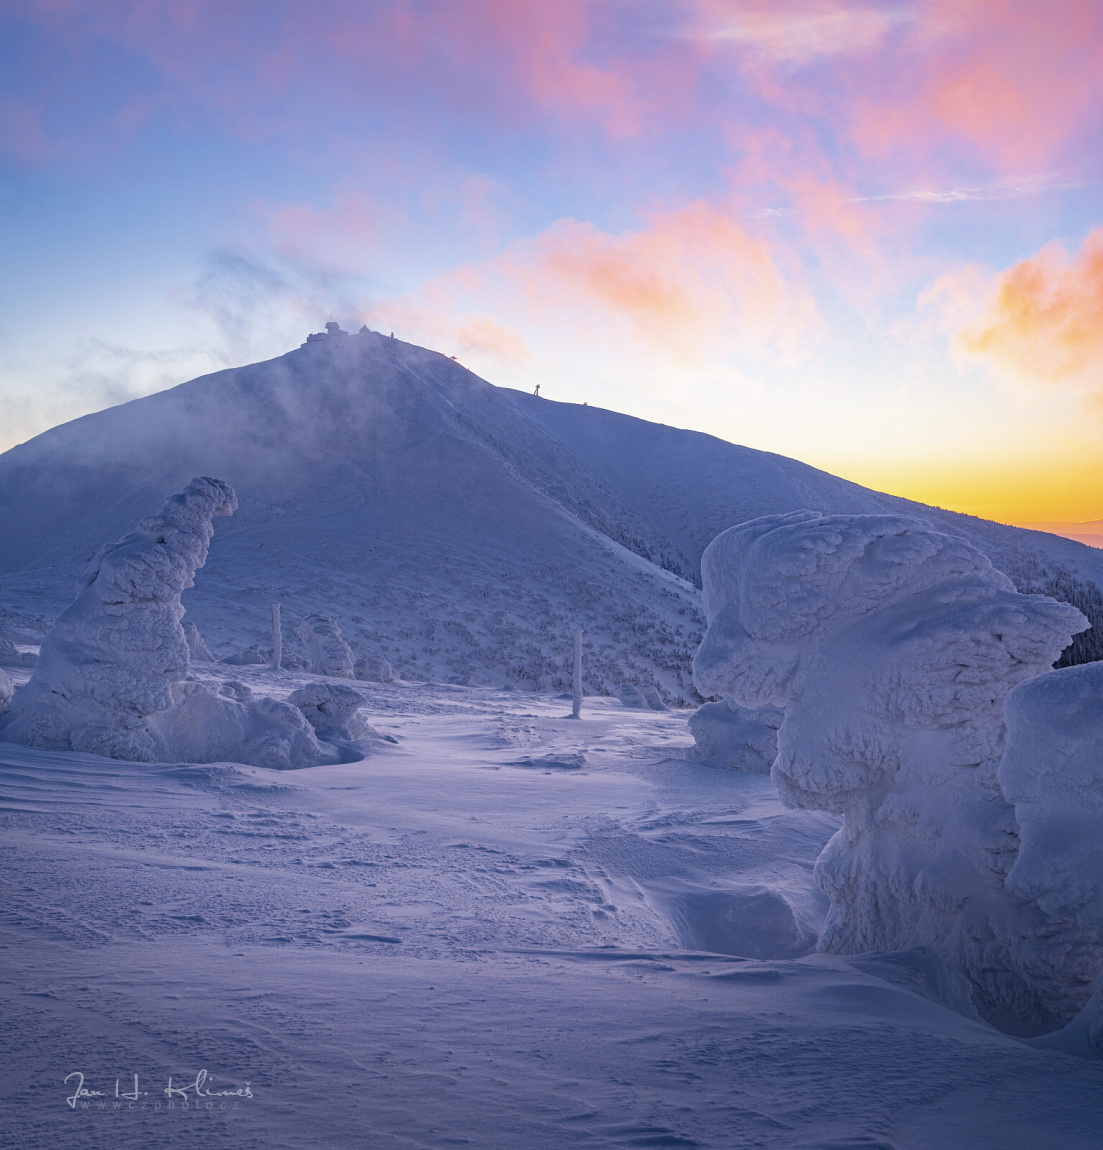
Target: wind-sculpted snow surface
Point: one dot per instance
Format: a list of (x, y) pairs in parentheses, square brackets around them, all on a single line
[(110, 679), (891, 648)]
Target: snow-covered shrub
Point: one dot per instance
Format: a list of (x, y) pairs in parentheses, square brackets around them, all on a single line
[(373, 668), (254, 656), (654, 700), (329, 654), (332, 710), (734, 737), (631, 696), (891, 648), (197, 649), (7, 689), (646, 698), (205, 726)]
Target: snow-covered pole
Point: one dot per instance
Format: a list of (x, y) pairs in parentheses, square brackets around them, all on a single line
[(576, 706), (277, 638)]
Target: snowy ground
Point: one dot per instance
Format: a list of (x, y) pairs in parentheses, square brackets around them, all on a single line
[(508, 930)]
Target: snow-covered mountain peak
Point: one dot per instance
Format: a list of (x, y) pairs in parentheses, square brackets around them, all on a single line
[(462, 529)]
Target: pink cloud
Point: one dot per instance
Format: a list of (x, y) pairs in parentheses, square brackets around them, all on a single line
[(339, 234), (537, 51), (1012, 82), (509, 60), (1044, 322), (694, 282), (691, 274), (484, 337)]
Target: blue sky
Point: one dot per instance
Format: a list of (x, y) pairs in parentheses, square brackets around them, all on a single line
[(866, 235)]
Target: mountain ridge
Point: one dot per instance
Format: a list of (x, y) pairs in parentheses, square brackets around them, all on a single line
[(461, 528)]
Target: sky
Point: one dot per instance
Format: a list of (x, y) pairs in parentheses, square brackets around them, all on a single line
[(865, 235)]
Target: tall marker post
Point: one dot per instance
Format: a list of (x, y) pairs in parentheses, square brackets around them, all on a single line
[(576, 706), (277, 639)]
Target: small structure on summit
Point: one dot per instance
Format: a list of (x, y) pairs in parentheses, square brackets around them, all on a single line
[(333, 329)]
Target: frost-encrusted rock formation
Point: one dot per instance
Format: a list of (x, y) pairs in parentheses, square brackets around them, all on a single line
[(734, 737), (891, 648), (328, 652), (111, 676)]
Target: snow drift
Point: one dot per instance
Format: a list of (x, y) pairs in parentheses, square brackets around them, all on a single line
[(111, 676), (891, 647)]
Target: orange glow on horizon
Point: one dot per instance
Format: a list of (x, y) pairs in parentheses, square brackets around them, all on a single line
[(1007, 492)]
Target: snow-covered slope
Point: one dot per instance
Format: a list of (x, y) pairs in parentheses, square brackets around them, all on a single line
[(692, 486), (463, 529)]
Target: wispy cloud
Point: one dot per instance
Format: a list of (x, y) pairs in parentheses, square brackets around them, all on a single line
[(1006, 189), (807, 31), (94, 374)]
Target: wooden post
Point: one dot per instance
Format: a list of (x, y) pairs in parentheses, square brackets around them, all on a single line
[(277, 639), (576, 707)]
